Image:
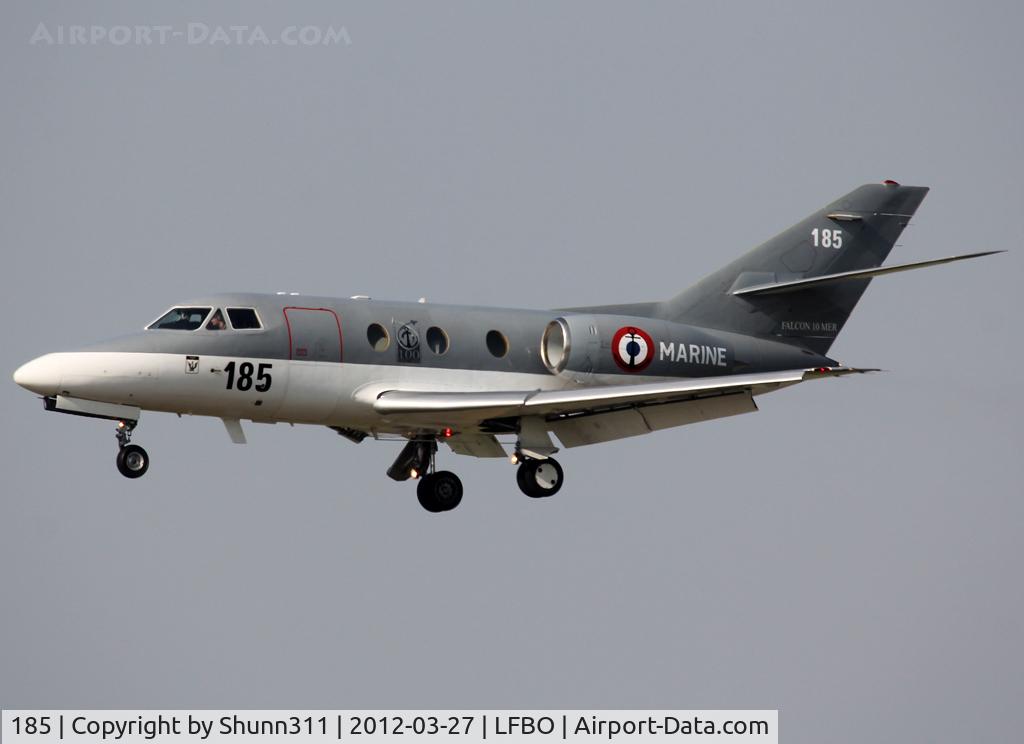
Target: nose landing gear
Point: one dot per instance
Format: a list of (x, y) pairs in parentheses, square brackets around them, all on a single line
[(132, 460)]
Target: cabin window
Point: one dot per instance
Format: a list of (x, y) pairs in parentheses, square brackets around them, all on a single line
[(243, 318), (181, 319), (216, 322), (497, 344), (377, 336), (437, 340)]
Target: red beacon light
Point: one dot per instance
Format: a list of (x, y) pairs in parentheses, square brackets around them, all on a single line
[(446, 432)]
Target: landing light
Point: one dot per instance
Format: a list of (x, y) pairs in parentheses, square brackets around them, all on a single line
[(414, 473), (514, 459)]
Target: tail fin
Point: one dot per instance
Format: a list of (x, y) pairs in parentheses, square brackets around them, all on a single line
[(852, 234)]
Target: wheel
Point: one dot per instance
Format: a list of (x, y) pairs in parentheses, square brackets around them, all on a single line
[(439, 492), (540, 478), (132, 461)]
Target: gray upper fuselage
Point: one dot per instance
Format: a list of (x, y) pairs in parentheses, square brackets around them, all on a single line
[(465, 331)]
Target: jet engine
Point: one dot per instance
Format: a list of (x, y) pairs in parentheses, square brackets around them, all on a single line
[(570, 345)]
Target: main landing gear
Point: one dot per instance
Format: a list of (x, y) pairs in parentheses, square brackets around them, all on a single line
[(539, 478), (437, 490), (132, 460), (441, 490)]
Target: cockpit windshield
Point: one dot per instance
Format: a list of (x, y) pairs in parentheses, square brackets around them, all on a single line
[(243, 318), (181, 319)]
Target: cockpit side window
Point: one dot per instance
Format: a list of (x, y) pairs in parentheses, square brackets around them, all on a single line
[(181, 319), (243, 318), (216, 322)]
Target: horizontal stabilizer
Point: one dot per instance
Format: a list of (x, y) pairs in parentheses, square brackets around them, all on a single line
[(817, 281)]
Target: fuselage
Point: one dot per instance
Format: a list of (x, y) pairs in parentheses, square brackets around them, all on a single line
[(321, 360)]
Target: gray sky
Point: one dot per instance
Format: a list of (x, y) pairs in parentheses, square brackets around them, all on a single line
[(850, 555)]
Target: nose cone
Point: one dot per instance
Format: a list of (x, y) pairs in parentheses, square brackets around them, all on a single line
[(41, 375)]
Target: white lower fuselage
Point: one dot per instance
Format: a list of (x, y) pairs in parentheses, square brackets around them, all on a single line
[(326, 393)]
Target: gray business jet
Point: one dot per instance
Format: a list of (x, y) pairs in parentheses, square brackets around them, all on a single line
[(471, 377)]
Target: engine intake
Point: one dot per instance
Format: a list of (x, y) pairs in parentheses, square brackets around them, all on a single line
[(555, 345), (570, 345)]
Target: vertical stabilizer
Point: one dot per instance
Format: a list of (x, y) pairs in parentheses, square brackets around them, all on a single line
[(855, 232)]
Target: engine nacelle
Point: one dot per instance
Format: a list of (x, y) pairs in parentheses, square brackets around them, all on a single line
[(571, 345), (577, 347)]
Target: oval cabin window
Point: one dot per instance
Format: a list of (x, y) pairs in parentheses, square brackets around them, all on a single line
[(378, 338), (437, 340), (497, 344)]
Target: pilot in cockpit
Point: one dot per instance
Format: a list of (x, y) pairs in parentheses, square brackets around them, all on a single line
[(216, 322)]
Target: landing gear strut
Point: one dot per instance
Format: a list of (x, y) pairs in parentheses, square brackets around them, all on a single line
[(539, 478), (132, 460)]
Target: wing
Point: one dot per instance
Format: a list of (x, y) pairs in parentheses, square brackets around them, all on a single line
[(588, 415)]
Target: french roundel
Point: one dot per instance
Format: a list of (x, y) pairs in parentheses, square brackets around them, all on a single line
[(632, 348)]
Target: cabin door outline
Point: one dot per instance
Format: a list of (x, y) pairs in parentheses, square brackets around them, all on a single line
[(314, 334)]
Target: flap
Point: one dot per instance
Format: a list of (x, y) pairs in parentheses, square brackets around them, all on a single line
[(476, 445)]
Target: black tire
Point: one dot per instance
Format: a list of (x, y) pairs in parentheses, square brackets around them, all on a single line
[(439, 492), (132, 461), (521, 475), (425, 493), (540, 478)]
